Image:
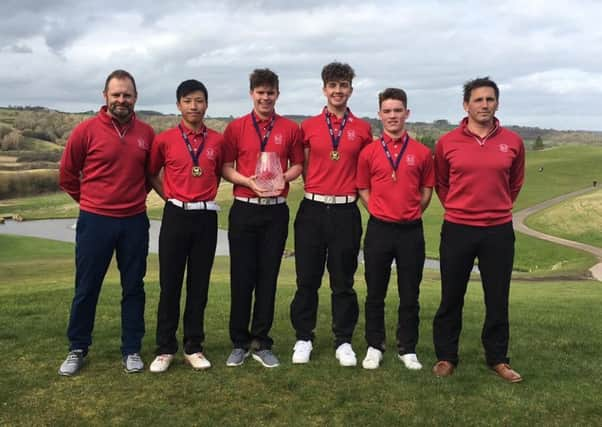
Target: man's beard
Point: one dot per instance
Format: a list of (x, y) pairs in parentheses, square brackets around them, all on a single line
[(121, 114)]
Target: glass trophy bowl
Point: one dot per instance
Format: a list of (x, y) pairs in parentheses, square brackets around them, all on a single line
[(269, 173)]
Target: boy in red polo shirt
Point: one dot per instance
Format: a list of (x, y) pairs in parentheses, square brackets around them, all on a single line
[(328, 225), (190, 156), (395, 180), (258, 220)]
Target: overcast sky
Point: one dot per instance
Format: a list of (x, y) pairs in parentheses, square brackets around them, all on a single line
[(545, 55)]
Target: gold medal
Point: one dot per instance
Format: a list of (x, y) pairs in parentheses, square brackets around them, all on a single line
[(197, 171), (334, 155), (394, 176)]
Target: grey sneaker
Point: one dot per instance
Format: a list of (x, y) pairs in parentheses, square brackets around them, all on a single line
[(266, 358), (237, 357), (72, 364), (133, 363)]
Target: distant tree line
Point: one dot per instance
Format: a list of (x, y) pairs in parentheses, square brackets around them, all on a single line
[(20, 125), (28, 108)]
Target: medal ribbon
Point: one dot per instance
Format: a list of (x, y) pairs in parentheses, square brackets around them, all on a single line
[(395, 163), (336, 139), (194, 156), (263, 141)]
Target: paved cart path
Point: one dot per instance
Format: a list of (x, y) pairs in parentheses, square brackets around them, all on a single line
[(519, 225), (64, 231)]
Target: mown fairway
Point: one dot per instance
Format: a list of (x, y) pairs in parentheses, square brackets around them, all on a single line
[(555, 345), (578, 219)]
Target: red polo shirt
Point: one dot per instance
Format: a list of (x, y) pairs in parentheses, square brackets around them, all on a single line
[(103, 167), (327, 176), (395, 200), (242, 145), (171, 153), (478, 179)]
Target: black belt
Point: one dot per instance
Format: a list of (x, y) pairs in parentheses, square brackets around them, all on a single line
[(401, 224)]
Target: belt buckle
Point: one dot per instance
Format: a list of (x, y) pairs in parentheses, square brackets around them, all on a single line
[(193, 206), (329, 199), (264, 201)]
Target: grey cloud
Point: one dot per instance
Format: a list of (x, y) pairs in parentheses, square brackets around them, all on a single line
[(429, 48), (13, 27), (19, 48)]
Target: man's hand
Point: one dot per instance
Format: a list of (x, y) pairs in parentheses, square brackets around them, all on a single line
[(281, 183), (251, 182)]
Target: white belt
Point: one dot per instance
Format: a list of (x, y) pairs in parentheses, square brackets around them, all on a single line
[(330, 200), (195, 206), (262, 200)]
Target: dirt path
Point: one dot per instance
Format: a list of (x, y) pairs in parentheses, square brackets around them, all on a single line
[(519, 225)]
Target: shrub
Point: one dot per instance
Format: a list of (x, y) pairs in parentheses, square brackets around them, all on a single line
[(27, 183), (538, 144), (428, 140), (39, 134), (28, 166), (37, 156), (12, 141), (4, 130)]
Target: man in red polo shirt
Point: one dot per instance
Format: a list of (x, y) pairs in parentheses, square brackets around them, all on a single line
[(328, 225), (480, 169), (395, 180), (103, 168), (258, 220), (190, 156)]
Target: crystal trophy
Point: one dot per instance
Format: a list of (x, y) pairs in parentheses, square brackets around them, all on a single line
[(269, 173)]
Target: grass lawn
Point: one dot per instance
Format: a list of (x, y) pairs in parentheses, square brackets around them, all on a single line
[(578, 219), (555, 345), (565, 168), (54, 205)]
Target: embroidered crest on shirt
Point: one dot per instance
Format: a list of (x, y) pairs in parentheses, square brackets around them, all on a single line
[(210, 153), (503, 148), (142, 144), (351, 134), (411, 160), (278, 139)]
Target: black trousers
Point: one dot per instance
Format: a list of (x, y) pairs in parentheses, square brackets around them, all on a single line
[(460, 245), (187, 241), (257, 235), (326, 235), (404, 243)]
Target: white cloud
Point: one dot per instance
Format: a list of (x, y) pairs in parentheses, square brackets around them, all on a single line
[(559, 82)]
